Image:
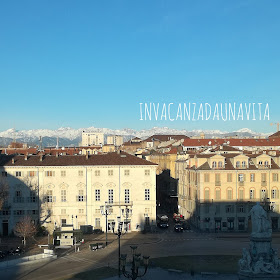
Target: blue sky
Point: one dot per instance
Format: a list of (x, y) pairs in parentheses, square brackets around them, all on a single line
[(90, 63)]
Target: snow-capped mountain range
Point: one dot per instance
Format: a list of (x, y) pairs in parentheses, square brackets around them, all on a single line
[(72, 137)]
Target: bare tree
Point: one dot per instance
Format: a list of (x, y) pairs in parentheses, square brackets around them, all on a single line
[(4, 192), (25, 228)]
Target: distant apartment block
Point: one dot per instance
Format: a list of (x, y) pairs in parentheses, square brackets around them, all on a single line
[(115, 140), (92, 138)]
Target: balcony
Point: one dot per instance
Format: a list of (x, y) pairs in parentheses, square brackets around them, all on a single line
[(241, 183), (263, 183), (217, 183)]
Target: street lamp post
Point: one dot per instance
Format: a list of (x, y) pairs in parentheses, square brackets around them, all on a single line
[(119, 233), (136, 261), (105, 211)]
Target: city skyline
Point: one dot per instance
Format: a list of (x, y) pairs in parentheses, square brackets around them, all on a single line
[(66, 64)]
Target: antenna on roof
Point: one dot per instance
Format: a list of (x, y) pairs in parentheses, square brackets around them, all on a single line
[(41, 143)]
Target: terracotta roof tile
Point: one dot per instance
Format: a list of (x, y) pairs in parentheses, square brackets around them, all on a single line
[(104, 159)]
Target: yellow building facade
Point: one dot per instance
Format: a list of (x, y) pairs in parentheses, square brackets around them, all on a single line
[(217, 191)]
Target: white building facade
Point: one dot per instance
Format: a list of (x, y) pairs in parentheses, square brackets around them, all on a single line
[(57, 190), (92, 138)]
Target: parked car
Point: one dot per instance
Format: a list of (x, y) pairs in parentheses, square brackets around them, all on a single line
[(162, 221), (178, 228)]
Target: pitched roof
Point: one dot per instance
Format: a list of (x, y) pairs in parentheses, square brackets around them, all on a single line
[(276, 134), (104, 159), (162, 137), (232, 142)]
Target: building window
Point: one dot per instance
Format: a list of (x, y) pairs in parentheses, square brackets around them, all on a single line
[(32, 198), (252, 193), (263, 177), (4, 174), (241, 194), (229, 177), (18, 212), (5, 213), (63, 222), (49, 197), (218, 194), (81, 195), (243, 164), (147, 172), (260, 163), (31, 173), (97, 195), (206, 177), (241, 177), (111, 196), (266, 163), (97, 222), (220, 164), (218, 208), (214, 164), (110, 172), (206, 208), (238, 164), (275, 177), (207, 194), (63, 173), (18, 173), (81, 173), (147, 194), (217, 179), (49, 173), (18, 193), (81, 211), (126, 172), (97, 172), (274, 194), (241, 208), (126, 196), (32, 212), (147, 210), (63, 195), (63, 212), (263, 194), (229, 208), (252, 177), (229, 193)]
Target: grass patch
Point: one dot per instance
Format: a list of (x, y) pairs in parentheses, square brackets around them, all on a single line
[(221, 264), (96, 274)]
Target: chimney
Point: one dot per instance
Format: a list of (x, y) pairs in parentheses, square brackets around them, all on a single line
[(87, 154), (56, 154), (25, 157), (13, 161), (41, 157)]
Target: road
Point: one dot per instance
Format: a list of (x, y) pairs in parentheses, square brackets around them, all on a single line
[(163, 243)]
